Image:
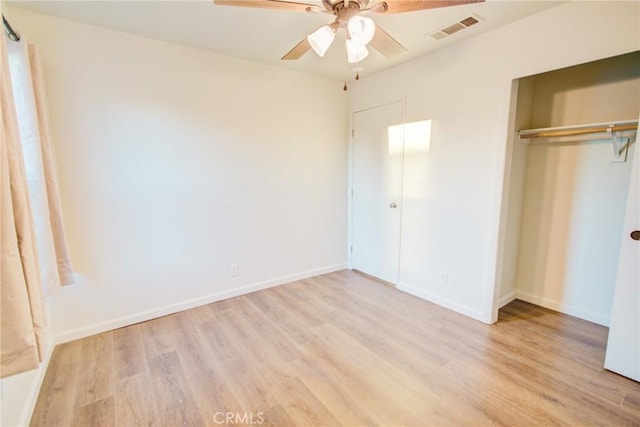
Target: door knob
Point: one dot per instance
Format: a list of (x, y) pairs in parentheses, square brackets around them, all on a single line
[(635, 235), (393, 205)]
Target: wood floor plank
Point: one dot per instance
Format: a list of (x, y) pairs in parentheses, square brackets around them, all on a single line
[(55, 402), (135, 404), (100, 413), (160, 335), (342, 395), (303, 406), (173, 395), (264, 340), (503, 400), (522, 370), (219, 306), (416, 363), (297, 307), (201, 314), (403, 396), (390, 338), (221, 346), (339, 349), (277, 417), (632, 401), (129, 357), (204, 372), (276, 312), (95, 381), (248, 386), (309, 293)]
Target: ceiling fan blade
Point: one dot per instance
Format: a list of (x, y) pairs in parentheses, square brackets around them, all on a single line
[(269, 4), (327, 4), (400, 6), (299, 50), (385, 44)]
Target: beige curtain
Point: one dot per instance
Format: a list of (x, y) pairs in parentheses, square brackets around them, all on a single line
[(63, 263), (21, 318), (35, 139), (34, 253)]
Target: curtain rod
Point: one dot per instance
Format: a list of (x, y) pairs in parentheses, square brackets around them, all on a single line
[(12, 34)]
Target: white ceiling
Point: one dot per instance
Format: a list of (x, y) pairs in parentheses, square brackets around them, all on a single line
[(266, 35)]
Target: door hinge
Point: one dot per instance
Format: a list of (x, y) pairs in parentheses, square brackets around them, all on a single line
[(353, 133), (351, 248), (352, 192)]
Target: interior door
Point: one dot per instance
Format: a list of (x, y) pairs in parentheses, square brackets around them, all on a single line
[(623, 347), (376, 192)]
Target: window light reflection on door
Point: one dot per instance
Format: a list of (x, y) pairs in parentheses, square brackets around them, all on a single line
[(409, 138)]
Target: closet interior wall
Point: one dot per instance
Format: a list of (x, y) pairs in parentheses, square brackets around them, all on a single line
[(566, 200)]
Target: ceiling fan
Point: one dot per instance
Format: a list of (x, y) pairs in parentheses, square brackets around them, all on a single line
[(349, 15)]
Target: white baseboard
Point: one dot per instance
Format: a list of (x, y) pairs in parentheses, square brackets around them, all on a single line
[(444, 302), (34, 390), (120, 322), (507, 299), (563, 308)]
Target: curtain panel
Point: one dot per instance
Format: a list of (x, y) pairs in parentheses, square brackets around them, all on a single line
[(35, 137), (21, 318), (35, 260), (63, 272)]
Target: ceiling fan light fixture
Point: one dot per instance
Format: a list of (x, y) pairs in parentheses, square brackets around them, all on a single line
[(321, 39), (361, 29), (355, 52)]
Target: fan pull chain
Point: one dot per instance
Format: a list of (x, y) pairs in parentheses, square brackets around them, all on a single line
[(345, 87)]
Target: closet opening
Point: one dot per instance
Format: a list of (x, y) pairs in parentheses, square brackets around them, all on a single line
[(566, 188)]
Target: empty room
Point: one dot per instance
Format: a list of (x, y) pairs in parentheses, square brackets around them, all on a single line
[(320, 213)]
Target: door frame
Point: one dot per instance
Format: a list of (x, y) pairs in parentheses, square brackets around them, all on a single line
[(493, 302)]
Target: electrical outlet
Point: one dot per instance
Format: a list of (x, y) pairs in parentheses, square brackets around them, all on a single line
[(235, 270), (444, 278)]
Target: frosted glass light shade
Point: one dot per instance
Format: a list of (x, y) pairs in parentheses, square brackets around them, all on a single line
[(356, 53), (321, 39), (361, 29)]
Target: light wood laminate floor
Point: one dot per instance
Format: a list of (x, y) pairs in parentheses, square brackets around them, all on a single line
[(339, 349)]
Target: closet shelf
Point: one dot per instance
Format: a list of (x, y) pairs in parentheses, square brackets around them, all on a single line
[(593, 128)]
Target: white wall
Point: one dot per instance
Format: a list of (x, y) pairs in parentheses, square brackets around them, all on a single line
[(575, 196), (175, 163), (598, 91), (573, 212), (465, 89)]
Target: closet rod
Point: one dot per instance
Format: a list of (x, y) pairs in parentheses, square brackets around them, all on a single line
[(628, 125)]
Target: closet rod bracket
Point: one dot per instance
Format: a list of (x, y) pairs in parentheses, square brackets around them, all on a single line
[(619, 143)]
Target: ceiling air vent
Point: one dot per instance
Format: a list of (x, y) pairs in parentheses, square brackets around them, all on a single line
[(454, 28)]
